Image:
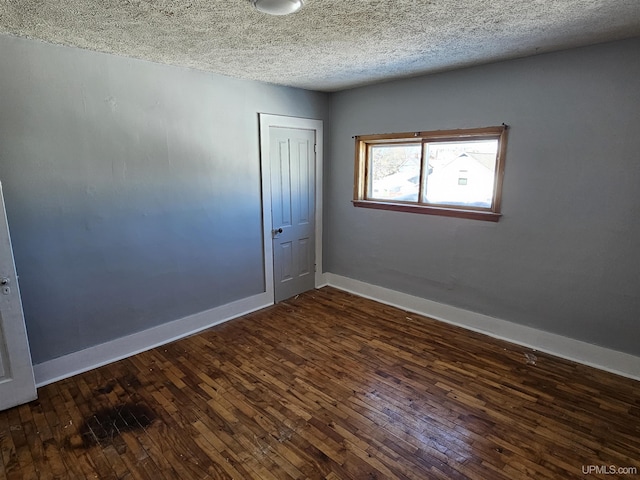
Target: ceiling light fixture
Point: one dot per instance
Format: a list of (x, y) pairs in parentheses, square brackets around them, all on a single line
[(277, 7)]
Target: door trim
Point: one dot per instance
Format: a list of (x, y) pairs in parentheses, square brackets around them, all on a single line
[(266, 121), (16, 377)]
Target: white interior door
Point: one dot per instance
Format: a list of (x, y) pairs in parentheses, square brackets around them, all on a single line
[(295, 131), (17, 384), (292, 159)]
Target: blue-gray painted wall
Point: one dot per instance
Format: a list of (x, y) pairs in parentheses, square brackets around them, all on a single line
[(132, 189), (565, 257)]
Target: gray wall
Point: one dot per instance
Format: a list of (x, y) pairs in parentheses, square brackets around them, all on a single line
[(132, 189), (565, 257)]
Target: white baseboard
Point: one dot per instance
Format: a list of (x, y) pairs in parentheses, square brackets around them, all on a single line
[(568, 348), (592, 355), (96, 356), (321, 279)]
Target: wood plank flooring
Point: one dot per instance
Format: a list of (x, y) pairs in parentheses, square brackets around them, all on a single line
[(329, 386)]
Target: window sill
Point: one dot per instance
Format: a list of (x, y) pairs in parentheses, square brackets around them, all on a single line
[(430, 210)]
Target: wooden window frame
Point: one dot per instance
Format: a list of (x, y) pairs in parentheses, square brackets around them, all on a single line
[(361, 177)]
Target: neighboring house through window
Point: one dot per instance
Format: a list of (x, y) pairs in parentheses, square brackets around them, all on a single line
[(453, 172)]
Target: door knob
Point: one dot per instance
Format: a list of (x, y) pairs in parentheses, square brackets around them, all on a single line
[(4, 281)]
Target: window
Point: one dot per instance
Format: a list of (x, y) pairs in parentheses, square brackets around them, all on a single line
[(454, 172)]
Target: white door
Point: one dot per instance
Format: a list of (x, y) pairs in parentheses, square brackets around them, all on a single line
[(292, 162), (17, 384)]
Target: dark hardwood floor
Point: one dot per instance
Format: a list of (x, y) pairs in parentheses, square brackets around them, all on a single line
[(329, 386)]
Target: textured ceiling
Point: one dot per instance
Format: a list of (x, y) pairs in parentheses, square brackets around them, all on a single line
[(328, 45)]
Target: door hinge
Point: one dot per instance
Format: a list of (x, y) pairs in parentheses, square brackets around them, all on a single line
[(314, 148)]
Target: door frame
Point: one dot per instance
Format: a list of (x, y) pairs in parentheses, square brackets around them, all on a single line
[(17, 376), (266, 121)]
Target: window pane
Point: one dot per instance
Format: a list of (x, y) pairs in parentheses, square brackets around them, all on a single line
[(461, 173), (394, 172)]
